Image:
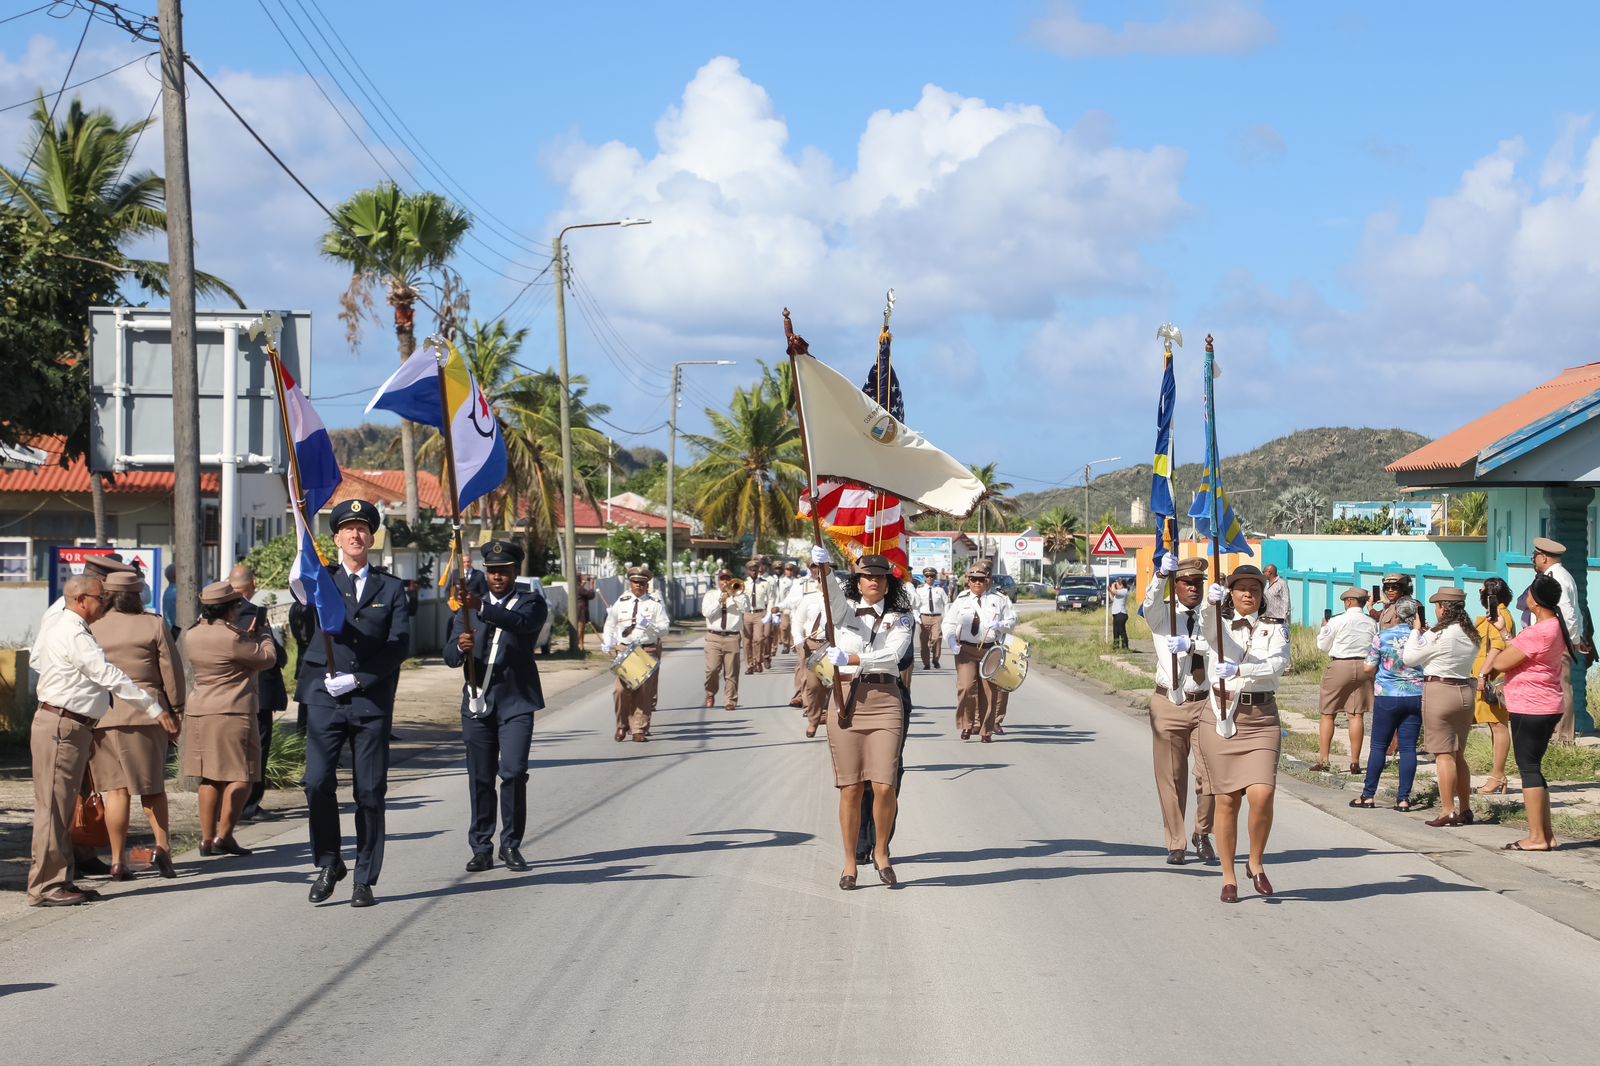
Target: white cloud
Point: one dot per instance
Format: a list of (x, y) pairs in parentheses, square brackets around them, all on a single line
[(1195, 27)]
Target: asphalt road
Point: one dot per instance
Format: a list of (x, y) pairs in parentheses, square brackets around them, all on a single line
[(682, 909)]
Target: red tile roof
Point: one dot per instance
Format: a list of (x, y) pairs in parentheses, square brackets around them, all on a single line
[(74, 477), (388, 487), (1455, 451), (590, 516)]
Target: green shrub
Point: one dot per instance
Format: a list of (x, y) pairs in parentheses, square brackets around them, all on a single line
[(286, 764), (1304, 655)]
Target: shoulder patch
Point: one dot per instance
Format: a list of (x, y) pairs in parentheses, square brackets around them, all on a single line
[(903, 622)]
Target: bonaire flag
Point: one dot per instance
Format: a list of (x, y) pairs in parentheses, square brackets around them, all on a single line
[(413, 393), (312, 478)]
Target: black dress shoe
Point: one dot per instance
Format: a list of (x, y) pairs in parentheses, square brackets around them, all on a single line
[(329, 876), (228, 846), (1176, 857), (361, 896), (513, 859), (479, 862)]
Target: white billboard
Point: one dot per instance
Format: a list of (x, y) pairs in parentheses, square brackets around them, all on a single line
[(1022, 547), (923, 552)]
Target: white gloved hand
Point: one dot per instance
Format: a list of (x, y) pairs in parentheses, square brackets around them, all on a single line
[(954, 644), (605, 647), (1169, 565), (1227, 671), (646, 623), (1218, 593), (774, 619), (996, 632), (836, 656), (819, 556), (339, 684), (1179, 645)]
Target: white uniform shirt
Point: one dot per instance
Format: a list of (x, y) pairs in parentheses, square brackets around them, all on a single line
[(74, 673), (880, 637), (931, 599), (630, 610), (1447, 653), (1260, 650), (712, 607), (758, 593), (1347, 635), (770, 582), (991, 609), (786, 586), (798, 587), (1569, 603), (1155, 616)]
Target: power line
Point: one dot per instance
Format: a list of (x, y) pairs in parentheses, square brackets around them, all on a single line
[(25, 14), (79, 84), (50, 127)]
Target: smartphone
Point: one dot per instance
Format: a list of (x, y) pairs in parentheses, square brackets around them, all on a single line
[(1377, 594), (1327, 615)]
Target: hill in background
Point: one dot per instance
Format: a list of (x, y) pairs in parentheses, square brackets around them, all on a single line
[(1337, 464)]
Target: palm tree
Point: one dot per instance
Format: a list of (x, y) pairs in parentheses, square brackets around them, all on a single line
[(395, 239), (1059, 527), (1469, 514), (1296, 510), (994, 507), (751, 469)]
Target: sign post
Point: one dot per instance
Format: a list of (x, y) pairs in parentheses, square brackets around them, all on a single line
[(1106, 548)]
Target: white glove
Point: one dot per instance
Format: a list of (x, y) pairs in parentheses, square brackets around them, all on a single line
[(1218, 593), (954, 644), (1179, 645), (836, 656), (605, 647), (1227, 671), (819, 556), (1169, 565), (774, 619), (645, 623), (996, 632), (339, 684)]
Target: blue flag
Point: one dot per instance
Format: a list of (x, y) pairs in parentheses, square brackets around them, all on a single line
[(1162, 507), (1211, 510)]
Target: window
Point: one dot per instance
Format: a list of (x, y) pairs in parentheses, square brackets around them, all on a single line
[(15, 559)]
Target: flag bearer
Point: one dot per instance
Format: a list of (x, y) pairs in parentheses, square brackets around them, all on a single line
[(1177, 703)]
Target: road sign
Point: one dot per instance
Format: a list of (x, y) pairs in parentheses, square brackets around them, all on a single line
[(1022, 547), (1108, 544)]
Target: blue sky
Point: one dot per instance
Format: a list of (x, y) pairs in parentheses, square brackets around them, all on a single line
[(1385, 213)]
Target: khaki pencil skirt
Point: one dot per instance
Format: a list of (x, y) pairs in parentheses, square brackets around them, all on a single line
[(1249, 757), (869, 750), (222, 747), (133, 757), (1447, 715), (1346, 687)]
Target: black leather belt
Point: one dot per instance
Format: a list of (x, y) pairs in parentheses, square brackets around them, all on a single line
[(1347, 658), (877, 679), (1257, 699), (1446, 680), (1165, 693)]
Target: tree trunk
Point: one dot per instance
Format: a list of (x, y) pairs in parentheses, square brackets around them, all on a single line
[(405, 333), (97, 490)]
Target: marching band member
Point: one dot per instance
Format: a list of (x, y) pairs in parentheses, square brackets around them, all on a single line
[(497, 729), (1243, 764), (755, 617), (974, 623), (1176, 704), (871, 633), (931, 604), (637, 619), (788, 591), (772, 618), (793, 635), (724, 609), (809, 636)]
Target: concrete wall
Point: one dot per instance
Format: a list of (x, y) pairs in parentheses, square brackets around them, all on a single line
[(21, 605)]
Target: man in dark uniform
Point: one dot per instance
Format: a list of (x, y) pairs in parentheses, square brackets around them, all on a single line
[(352, 700), (497, 707)]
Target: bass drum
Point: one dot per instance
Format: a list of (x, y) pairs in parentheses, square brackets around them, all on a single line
[(1006, 664), (636, 667)]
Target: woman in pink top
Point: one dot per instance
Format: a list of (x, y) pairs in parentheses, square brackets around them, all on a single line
[(1532, 665)]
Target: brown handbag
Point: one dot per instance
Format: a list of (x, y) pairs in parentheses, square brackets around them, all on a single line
[(89, 820)]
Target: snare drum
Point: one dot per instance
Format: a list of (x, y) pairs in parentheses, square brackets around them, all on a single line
[(822, 668), (1006, 664), (636, 667)]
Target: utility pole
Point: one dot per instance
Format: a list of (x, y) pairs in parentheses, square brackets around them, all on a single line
[(672, 464), (186, 510)]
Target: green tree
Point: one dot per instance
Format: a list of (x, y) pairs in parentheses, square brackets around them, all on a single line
[(401, 242), (1059, 528), (751, 467), (631, 546), (1469, 515), (1297, 510), (995, 507), (272, 559)]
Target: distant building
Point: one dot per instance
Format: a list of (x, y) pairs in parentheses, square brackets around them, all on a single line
[(1407, 517)]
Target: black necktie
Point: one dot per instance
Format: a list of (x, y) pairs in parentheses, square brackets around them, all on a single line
[(723, 620), (634, 621), (977, 609)]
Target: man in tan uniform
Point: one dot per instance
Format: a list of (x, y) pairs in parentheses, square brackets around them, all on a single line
[(1178, 707), (931, 603), (724, 611), (638, 618), (973, 624), (755, 618), (810, 635)]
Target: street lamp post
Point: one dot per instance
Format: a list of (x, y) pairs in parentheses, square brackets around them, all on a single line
[(1086, 466), (569, 546), (672, 465)]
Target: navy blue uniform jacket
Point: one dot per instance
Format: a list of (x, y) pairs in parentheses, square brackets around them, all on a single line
[(514, 688), (375, 642)]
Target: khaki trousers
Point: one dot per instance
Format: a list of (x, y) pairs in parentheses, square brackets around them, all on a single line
[(930, 642), (1567, 728), (60, 752), (722, 660), (755, 635), (977, 700), (784, 634), (635, 706), (814, 694), (1172, 730)]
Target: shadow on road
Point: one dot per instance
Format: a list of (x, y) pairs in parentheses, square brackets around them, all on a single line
[(491, 883), (30, 986), (1409, 885), (775, 838)]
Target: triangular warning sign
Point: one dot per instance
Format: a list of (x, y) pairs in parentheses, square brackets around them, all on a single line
[(1108, 544)]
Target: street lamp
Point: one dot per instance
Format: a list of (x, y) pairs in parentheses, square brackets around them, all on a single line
[(569, 547), (672, 464), (1086, 466)]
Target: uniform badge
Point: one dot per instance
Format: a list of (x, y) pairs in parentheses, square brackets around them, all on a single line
[(355, 505), (904, 622)]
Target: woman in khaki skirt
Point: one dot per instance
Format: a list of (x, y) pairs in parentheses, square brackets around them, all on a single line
[(871, 632), (129, 753), (1445, 655), (224, 749), (1239, 757)]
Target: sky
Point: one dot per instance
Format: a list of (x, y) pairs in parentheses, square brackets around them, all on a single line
[(1386, 214)]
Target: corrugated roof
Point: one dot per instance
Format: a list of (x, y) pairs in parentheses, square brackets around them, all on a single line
[(74, 477), (1460, 449)]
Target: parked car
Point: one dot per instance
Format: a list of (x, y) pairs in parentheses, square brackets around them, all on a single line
[(1006, 585), (1079, 594), (1037, 588)]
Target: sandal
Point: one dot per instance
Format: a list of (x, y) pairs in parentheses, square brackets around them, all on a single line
[(1404, 806), (1491, 788), (1516, 845), (1363, 802)]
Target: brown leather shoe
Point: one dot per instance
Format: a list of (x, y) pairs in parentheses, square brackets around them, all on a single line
[(1317, 768), (797, 702), (847, 882), (639, 738), (1230, 893), (1177, 857), (711, 701), (966, 734), (58, 897), (229, 846), (1263, 887), (1444, 821), (730, 706), (1203, 849), (999, 730), (121, 872), (988, 738), (164, 864), (622, 734), (811, 731), (206, 848), (886, 875)]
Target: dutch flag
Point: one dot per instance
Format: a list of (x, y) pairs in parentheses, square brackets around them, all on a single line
[(319, 475)]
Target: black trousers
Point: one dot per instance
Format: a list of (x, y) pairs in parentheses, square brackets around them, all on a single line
[(258, 789), (868, 840), (1530, 739), (1119, 631), (328, 729), (497, 749)]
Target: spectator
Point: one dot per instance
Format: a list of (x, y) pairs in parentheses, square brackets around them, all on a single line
[(1275, 608), (270, 692), (1547, 560), (224, 749), (129, 751), (1396, 587), (413, 595), (1495, 628), (74, 680), (1533, 664), (1119, 615), (169, 600), (1346, 687), (1396, 705), (302, 627), (1445, 655)]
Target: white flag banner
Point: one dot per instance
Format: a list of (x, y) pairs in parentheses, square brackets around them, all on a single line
[(853, 438)]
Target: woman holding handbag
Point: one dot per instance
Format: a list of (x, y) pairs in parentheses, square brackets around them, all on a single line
[(1495, 630)]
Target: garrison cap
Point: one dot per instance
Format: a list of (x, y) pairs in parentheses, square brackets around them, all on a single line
[(1359, 595), (355, 511), (1546, 546), (218, 593), (1247, 572), (123, 581), (1449, 594), (501, 553), (875, 565)]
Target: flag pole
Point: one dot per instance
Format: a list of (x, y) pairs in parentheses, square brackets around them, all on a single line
[(1216, 505), (458, 548), (797, 347), (1172, 525), (292, 478)]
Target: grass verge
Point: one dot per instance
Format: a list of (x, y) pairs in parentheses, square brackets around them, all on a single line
[(1077, 642), (286, 763)]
